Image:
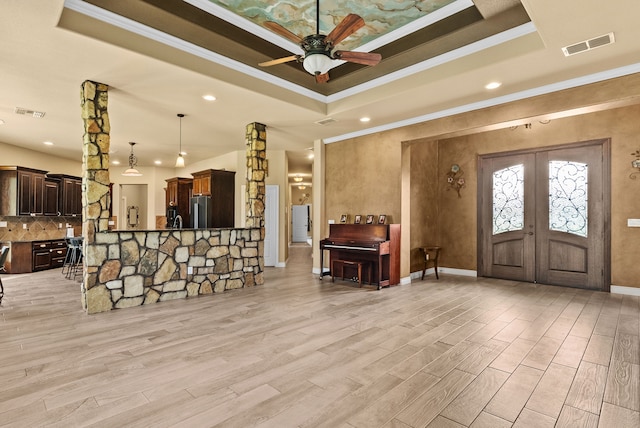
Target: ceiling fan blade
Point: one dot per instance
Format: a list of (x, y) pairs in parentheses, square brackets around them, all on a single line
[(322, 78), (279, 61), (349, 25), (279, 29), (366, 58)]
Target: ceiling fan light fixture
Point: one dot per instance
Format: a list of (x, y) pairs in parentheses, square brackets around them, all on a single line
[(317, 64)]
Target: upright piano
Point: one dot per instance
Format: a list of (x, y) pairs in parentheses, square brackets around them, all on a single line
[(377, 244)]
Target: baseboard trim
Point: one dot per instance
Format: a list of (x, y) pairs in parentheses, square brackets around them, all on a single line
[(621, 289), (431, 271)]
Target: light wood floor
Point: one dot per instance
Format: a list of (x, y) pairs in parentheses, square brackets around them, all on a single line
[(300, 352)]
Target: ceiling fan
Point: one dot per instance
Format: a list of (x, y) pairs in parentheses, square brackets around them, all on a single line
[(318, 48)]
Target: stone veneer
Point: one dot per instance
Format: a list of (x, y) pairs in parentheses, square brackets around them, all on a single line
[(132, 268), (139, 268), (256, 142)]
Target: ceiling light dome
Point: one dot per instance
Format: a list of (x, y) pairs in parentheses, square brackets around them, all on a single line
[(317, 63)]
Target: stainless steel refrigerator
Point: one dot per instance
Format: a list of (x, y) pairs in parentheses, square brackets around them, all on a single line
[(201, 212)]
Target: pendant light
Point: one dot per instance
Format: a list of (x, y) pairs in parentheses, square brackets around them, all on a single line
[(180, 160), (133, 161)]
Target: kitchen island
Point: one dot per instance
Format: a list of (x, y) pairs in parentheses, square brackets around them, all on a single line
[(132, 268), (33, 256)]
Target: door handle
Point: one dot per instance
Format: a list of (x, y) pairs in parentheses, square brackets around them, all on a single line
[(530, 233)]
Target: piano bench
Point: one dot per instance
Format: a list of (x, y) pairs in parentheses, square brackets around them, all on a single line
[(359, 265)]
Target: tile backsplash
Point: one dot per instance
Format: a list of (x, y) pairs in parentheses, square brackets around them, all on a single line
[(37, 228)]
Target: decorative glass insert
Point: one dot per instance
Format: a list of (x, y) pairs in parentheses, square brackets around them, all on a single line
[(568, 197), (508, 199)]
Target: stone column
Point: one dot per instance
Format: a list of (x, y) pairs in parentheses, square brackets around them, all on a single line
[(95, 185), (257, 169)]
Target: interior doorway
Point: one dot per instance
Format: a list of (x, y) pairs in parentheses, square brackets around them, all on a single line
[(300, 218), (133, 207), (271, 219), (543, 215)]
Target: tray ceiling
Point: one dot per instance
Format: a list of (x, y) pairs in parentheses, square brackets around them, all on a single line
[(404, 33)]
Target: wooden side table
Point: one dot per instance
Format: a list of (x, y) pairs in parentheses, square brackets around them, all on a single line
[(431, 255)]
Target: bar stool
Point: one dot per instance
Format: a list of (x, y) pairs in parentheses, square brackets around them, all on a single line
[(4, 252), (77, 265), (69, 257), (73, 259)]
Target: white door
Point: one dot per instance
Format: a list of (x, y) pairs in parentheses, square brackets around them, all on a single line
[(271, 225), (300, 220)]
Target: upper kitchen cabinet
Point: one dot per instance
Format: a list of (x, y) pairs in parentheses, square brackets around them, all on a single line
[(51, 195), (178, 194), (22, 191), (219, 184), (70, 194)]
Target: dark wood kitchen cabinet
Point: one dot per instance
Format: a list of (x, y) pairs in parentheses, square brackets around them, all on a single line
[(21, 191), (179, 192), (32, 256), (48, 254), (220, 185), (70, 194), (51, 195)]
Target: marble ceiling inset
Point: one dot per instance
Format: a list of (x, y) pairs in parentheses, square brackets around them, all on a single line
[(381, 16)]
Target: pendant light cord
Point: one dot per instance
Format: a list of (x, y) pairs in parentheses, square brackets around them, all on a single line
[(180, 115)]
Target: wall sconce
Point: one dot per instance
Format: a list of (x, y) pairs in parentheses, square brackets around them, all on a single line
[(455, 179), (636, 164), (529, 125), (297, 179)]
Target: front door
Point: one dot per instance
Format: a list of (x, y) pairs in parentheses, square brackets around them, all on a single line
[(543, 216)]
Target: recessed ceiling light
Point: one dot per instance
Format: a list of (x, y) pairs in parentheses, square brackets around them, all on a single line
[(48, 143), (493, 85), (115, 162), (158, 162), (365, 119), (209, 97)]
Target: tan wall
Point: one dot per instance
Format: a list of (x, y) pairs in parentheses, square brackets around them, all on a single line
[(363, 174), (363, 177), (13, 155), (424, 193), (298, 196), (621, 125)]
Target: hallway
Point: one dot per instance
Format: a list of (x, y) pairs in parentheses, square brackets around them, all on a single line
[(301, 352)]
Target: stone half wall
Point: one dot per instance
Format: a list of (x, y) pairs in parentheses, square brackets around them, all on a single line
[(126, 269)]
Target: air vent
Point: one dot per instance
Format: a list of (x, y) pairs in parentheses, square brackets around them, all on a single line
[(587, 45), (27, 112), (326, 121)]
